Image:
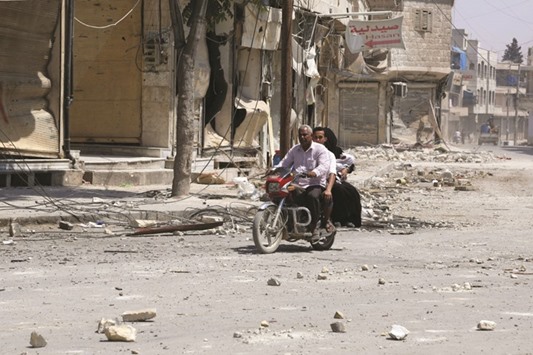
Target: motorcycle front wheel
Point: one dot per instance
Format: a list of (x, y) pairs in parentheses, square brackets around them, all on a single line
[(267, 236)]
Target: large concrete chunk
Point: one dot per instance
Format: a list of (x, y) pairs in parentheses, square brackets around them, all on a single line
[(139, 316), (123, 332)]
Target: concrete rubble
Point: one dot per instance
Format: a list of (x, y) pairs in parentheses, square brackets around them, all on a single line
[(122, 332), (398, 332), (382, 197), (139, 315), (37, 340), (273, 282), (486, 325), (338, 327), (338, 315), (382, 194), (104, 323)]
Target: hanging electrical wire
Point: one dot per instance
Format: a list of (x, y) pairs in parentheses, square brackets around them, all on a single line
[(111, 24)]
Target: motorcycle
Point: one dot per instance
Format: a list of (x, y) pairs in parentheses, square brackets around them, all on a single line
[(282, 219)]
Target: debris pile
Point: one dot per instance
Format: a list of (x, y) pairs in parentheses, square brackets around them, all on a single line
[(392, 153)]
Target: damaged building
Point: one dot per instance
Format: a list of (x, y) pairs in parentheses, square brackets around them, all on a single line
[(115, 94)]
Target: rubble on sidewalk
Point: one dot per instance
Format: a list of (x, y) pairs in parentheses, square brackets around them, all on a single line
[(382, 197)]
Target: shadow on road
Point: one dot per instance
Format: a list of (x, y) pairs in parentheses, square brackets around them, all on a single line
[(523, 149), (283, 248)]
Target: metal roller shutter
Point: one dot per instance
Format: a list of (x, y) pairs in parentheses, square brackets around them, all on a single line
[(358, 123)]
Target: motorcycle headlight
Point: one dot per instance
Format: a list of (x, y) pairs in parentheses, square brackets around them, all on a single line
[(272, 187)]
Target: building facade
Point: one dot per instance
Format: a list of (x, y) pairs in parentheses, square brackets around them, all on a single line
[(395, 95), (492, 91), (124, 75)]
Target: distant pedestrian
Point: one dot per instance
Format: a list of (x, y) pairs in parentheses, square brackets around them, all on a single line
[(485, 128)]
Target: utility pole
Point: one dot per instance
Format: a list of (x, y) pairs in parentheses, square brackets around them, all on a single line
[(68, 73), (515, 136), (286, 77), (507, 119)]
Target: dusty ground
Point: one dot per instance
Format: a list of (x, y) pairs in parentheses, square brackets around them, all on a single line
[(211, 291)]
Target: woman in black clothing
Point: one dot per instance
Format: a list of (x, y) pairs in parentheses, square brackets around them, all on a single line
[(346, 198)]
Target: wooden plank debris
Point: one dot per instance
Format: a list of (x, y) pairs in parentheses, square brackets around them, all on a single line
[(177, 228)]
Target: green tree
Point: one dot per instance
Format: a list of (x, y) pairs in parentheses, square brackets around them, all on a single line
[(513, 52)]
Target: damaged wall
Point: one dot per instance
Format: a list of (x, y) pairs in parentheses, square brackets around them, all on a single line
[(241, 120), (30, 81), (412, 116)]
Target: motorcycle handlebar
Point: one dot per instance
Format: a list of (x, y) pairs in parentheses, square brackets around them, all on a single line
[(284, 172)]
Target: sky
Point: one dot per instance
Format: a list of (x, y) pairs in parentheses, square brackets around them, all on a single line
[(494, 23)]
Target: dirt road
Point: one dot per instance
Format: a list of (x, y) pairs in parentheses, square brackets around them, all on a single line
[(212, 296)]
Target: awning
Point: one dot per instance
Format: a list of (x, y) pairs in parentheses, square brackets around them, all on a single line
[(459, 60), (257, 113)]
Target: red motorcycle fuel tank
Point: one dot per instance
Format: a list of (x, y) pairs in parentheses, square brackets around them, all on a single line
[(274, 183)]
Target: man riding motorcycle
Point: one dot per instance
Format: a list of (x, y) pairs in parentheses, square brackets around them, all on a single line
[(312, 160)]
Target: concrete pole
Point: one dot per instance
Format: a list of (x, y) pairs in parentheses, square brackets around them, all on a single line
[(515, 136), (507, 118), (286, 77)]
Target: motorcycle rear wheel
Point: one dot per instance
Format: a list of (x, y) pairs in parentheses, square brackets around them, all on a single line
[(267, 237), (325, 243)]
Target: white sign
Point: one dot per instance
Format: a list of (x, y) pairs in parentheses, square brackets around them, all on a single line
[(363, 35)]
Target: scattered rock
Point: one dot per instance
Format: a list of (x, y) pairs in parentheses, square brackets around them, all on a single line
[(144, 223), (338, 327), (14, 229), (139, 316), (123, 332), (104, 324), (265, 324), (273, 282), (381, 281), (66, 225), (37, 340), (322, 276), (338, 315), (237, 335), (401, 181), (398, 332), (211, 219), (365, 268), (210, 178), (486, 325), (325, 270), (299, 275)]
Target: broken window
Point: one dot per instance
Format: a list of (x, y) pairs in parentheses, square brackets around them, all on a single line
[(423, 20)]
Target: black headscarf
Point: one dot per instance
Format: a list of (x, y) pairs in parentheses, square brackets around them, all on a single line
[(331, 143)]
